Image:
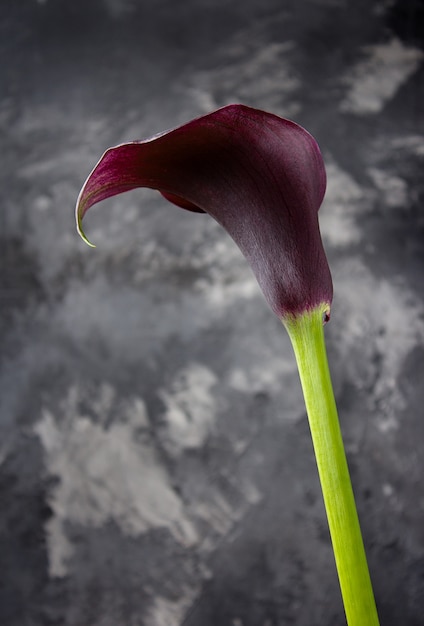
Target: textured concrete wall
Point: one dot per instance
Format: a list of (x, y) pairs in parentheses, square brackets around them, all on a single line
[(155, 461)]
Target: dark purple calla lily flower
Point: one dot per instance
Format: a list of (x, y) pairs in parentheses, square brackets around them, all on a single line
[(260, 176)]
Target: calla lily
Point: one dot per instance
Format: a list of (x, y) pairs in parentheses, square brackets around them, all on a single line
[(260, 176), (263, 179)]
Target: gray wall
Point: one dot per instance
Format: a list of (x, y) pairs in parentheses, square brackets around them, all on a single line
[(156, 467)]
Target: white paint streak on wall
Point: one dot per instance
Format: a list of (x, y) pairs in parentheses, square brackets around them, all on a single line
[(344, 199), (94, 311), (376, 317), (167, 612), (190, 408), (393, 189), (254, 72), (215, 516), (377, 78), (413, 144), (106, 473)]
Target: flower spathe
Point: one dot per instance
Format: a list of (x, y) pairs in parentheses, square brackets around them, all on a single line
[(260, 176)]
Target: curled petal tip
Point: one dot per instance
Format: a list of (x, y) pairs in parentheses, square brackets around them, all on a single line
[(81, 208), (78, 218), (84, 236)]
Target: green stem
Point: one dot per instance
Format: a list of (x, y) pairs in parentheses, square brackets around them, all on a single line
[(307, 336)]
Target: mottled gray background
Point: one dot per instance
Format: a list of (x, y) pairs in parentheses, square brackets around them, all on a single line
[(155, 462)]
